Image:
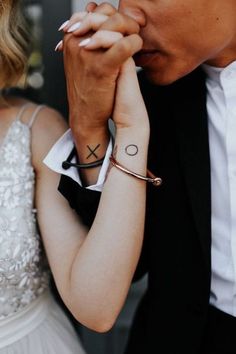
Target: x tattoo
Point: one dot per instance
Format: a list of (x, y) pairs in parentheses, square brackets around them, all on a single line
[(92, 151)]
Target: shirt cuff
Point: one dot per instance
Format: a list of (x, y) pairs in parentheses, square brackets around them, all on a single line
[(60, 152)]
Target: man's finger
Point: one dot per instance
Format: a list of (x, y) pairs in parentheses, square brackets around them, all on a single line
[(122, 50), (121, 23), (116, 23), (91, 22)]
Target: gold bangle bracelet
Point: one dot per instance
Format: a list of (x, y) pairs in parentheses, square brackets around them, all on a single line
[(151, 178)]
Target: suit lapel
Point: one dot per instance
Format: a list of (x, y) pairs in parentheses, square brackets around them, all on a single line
[(189, 110)]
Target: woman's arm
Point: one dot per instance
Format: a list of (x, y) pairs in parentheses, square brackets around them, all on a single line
[(93, 269)]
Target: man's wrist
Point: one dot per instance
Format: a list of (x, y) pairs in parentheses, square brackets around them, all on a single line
[(86, 131), (91, 146)]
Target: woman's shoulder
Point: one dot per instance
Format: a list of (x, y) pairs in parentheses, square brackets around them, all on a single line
[(25, 109), (47, 126), (46, 120)]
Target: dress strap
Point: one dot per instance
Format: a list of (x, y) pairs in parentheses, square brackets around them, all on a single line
[(34, 115), (22, 110)]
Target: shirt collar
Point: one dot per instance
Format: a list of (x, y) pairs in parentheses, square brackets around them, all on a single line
[(220, 76)]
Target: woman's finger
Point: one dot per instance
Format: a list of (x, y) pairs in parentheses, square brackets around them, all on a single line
[(105, 9), (76, 17), (59, 46), (117, 23), (101, 39), (91, 22)]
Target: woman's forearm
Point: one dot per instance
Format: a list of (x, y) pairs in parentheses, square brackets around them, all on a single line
[(103, 268)]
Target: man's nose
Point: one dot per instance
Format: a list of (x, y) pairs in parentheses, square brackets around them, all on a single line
[(129, 8)]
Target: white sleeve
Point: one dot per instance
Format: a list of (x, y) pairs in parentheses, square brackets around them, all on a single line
[(60, 152)]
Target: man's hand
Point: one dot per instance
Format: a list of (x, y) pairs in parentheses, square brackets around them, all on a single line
[(92, 70), (95, 55)]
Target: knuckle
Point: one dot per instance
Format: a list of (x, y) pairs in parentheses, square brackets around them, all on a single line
[(91, 6), (118, 21), (97, 70), (66, 39), (106, 7), (132, 24), (124, 23), (70, 42), (125, 46), (138, 40), (92, 19), (118, 17)]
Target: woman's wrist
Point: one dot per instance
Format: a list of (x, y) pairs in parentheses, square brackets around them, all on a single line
[(131, 147), (139, 136), (138, 131)]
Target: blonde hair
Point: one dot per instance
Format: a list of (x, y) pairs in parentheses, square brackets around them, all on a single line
[(14, 43)]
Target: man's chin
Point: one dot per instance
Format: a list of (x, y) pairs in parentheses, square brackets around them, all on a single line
[(166, 77), (160, 78)]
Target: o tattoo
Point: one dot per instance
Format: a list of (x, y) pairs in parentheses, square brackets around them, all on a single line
[(131, 150)]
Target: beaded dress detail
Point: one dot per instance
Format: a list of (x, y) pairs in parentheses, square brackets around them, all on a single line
[(24, 273)]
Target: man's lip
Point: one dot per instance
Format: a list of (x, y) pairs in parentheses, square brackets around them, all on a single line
[(147, 51), (144, 56)]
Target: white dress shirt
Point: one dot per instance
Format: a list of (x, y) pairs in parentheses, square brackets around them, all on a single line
[(221, 108)]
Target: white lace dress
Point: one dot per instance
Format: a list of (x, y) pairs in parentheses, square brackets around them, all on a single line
[(30, 319)]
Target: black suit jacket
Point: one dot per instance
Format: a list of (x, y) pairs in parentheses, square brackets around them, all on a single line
[(177, 243)]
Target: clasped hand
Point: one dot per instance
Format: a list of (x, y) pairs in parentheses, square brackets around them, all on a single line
[(101, 78)]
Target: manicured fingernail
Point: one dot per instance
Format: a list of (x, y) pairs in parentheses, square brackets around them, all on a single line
[(74, 27), (63, 25), (84, 42), (58, 45)]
